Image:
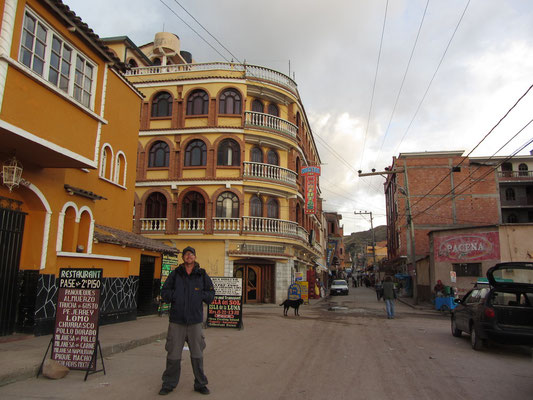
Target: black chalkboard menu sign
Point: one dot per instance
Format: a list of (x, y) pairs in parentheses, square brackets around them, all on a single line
[(77, 313), (226, 309)]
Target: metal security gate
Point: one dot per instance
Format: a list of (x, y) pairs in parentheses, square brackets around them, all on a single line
[(11, 229)]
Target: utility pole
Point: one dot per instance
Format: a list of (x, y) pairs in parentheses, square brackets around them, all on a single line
[(373, 234), (410, 225)]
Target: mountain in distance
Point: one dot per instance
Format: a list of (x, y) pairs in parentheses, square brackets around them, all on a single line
[(356, 241)]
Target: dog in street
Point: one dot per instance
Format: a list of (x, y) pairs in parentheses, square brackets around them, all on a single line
[(291, 303)]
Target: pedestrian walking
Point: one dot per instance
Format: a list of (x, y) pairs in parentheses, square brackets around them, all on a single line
[(389, 295), (186, 288)]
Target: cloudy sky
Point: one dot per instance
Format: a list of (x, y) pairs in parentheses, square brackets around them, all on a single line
[(471, 63)]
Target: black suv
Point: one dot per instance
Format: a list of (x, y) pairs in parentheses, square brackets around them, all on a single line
[(501, 311)]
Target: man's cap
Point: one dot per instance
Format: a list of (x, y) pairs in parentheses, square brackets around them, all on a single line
[(188, 248)]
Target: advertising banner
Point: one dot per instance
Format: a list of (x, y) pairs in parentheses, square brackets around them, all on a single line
[(294, 292), (304, 291), (77, 313), (226, 309), (330, 251), (168, 264), (311, 175), (468, 247)]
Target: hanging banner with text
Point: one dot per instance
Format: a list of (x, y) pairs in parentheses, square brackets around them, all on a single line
[(77, 313), (169, 263), (311, 175), (226, 309)]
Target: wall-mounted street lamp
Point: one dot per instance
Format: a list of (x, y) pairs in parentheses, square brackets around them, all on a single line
[(12, 173)]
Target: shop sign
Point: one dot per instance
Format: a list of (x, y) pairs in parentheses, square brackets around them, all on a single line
[(468, 247), (311, 175), (298, 276), (76, 327), (226, 309), (331, 250), (294, 292), (304, 291), (169, 263)]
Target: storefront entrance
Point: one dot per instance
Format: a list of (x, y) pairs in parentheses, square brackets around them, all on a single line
[(257, 282), (11, 230)]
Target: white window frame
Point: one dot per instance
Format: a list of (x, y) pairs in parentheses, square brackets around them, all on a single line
[(75, 53)]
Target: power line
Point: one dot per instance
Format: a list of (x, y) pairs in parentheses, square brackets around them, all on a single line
[(192, 29), (403, 81), (472, 184), (375, 80), (479, 143), (433, 77)]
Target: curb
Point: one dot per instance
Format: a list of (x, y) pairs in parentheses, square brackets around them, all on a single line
[(31, 371)]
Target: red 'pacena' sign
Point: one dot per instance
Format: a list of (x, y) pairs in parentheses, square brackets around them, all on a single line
[(468, 247)]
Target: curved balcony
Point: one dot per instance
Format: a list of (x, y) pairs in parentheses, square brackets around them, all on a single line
[(269, 225), (153, 224), (226, 224), (269, 172), (250, 72), (191, 224), (253, 119)]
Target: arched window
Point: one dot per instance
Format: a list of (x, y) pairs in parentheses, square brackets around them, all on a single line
[(198, 103), (522, 170), (227, 205), (298, 119), (158, 155), (272, 208), (69, 223), (512, 219), (156, 61), (132, 63), (273, 110), (106, 164), (510, 194), (298, 214), (257, 106), (120, 169), (162, 105), (193, 206), (156, 206), (272, 157), (256, 207), (229, 153), (195, 154), (298, 167), (230, 102), (256, 155), (83, 232)]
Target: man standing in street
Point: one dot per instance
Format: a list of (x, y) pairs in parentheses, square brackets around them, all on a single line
[(389, 295), (186, 288)]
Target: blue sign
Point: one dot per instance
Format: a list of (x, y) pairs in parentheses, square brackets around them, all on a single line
[(295, 292)]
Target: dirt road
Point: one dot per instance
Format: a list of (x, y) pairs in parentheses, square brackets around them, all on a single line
[(351, 353)]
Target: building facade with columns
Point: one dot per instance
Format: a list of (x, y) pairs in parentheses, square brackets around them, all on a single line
[(220, 152)]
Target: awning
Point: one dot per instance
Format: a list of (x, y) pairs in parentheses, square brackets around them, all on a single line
[(321, 266)]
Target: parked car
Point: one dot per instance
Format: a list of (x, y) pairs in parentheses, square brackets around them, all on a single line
[(500, 310), (339, 286)]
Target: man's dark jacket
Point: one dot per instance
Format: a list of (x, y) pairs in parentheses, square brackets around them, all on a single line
[(186, 293)]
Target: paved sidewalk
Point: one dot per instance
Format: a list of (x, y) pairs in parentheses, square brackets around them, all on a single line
[(21, 355)]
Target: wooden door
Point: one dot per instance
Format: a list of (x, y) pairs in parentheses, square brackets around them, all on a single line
[(251, 281)]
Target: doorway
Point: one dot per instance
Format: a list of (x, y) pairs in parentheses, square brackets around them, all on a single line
[(251, 281), (148, 290), (11, 230)]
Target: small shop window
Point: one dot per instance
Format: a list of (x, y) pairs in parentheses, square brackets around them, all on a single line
[(467, 269)]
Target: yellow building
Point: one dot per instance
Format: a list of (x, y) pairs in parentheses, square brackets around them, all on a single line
[(69, 123), (221, 147)]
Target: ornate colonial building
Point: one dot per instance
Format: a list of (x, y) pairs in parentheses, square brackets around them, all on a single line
[(221, 147)]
